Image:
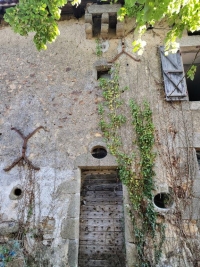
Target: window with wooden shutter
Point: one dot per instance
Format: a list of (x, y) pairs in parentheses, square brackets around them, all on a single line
[(174, 76)]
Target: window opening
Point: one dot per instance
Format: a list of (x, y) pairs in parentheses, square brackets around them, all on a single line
[(193, 33), (99, 152), (193, 86), (96, 25), (173, 76), (112, 24), (103, 74), (101, 241), (163, 200), (198, 158)]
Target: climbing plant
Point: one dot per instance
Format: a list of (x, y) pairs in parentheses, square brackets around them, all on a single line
[(135, 169), (98, 48)]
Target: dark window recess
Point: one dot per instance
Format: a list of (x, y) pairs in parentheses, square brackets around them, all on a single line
[(96, 25), (112, 24), (103, 2), (193, 86), (99, 152), (198, 157), (173, 76), (163, 200), (103, 74), (194, 33)]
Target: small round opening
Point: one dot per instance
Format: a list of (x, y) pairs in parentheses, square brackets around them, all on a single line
[(163, 200), (99, 152), (17, 192)]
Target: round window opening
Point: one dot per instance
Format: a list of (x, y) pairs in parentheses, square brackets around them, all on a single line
[(163, 200), (99, 152), (17, 192)]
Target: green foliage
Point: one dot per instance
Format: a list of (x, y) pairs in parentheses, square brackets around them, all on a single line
[(36, 16), (179, 15), (98, 48), (40, 17), (135, 169), (191, 72)]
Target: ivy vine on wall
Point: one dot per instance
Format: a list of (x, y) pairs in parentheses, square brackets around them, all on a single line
[(136, 168)]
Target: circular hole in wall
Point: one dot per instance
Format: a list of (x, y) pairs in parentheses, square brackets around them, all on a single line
[(17, 192), (163, 200), (99, 152)]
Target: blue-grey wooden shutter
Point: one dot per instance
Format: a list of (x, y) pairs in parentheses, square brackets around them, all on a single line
[(174, 76)]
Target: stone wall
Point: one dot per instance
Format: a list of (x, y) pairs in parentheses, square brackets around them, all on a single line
[(58, 89)]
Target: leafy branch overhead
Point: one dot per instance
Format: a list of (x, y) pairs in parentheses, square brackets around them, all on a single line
[(41, 17), (36, 16), (179, 15)]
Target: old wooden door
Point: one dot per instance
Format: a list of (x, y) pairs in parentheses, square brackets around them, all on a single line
[(101, 242)]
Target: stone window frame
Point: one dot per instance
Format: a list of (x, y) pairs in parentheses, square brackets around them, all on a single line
[(105, 12), (188, 54), (185, 43)]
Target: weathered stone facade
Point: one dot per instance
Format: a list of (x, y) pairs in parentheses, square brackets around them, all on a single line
[(58, 89)]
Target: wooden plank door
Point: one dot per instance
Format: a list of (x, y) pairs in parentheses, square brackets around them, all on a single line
[(101, 242)]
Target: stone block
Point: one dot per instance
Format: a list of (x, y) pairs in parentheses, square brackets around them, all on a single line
[(105, 18), (196, 187), (88, 18), (86, 160), (196, 140), (70, 228), (73, 253), (131, 254), (194, 105), (88, 30), (104, 30), (120, 29), (68, 187), (129, 236), (74, 206), (125, 195), (100, 9), (189, 41)]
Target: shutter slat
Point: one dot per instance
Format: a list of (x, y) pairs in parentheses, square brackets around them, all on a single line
[(173, 74), (171, 61)]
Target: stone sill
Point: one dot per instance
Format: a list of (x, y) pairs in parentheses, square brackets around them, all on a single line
[(189, 41), (194, 105), (100, 9)]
